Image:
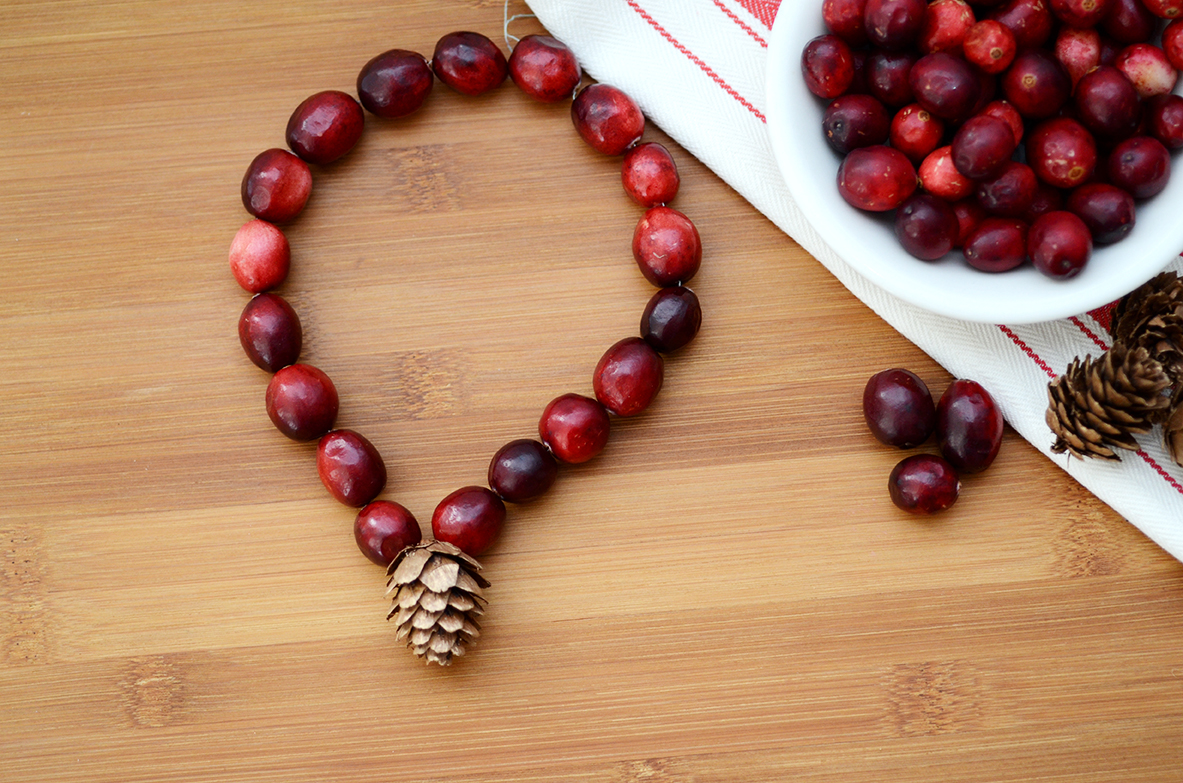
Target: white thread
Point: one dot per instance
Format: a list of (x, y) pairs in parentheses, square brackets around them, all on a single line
[(506, 19)]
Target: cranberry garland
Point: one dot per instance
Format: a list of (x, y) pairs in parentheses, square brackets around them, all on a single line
[(437, 591)]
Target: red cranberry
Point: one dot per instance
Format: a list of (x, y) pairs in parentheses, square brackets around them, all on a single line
[(671, 319), (1079, 14), (1165, 120), (1147, 68), (350, 467), (325, 126), (270, 332), (969, 426), (1010, 193), (876, 178), (628, 377), (1030, 21), (1109, 50), (941, 178), (990, 45), (923, 484), (915, 132), (970, 215), (1172, 43), (607, 119), (827, 64), (522, 470), (844, 18), (887, 77), (1164, 9), (383, 529), (893, 24), (302, 402), (1108, 211), (260, 256), (997, 245), (854, 121), (649, 175), (898, 408), (926, 226), (1004, 111), (1107, 103), (395, 83), (469, 63), (946, 25), (1128, 21), (470, 518), (575, 428), (1140, 165), (1059, 245), (945, 85), (544, 68), (982, 147), (1036, 84), (276, 186), (1047, 199), (1061, 152), (1079, 51), (666, 246)]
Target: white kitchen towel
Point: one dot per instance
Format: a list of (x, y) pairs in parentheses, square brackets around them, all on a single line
[(696, 68)]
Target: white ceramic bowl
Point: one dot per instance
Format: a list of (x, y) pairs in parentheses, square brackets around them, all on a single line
[(948, 286)]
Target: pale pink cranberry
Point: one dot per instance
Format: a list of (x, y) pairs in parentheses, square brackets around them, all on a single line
[(395, 83), (260, 256), (1148, 69), (575, 428), (276, 186), (325, 126), (470, 518), (607, 118), (350, 467), (302, 402), (469, 63), (649, 175), (1172, 43), (946, 24), (628, 376), (941, 178), (544, 68), (383, 529), (667, 247), (990, 45), (1078, 50)]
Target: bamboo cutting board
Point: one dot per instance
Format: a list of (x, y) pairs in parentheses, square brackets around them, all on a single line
[(726, 594)]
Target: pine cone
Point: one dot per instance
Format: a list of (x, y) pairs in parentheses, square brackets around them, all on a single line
[(1097, 405), (1172, 429), (1160, 295), (1162, 336), (437, 593)]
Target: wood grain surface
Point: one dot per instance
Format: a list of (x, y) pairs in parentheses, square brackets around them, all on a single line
[(726, 594)]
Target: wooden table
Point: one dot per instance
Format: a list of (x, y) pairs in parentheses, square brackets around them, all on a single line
[(726, 594)]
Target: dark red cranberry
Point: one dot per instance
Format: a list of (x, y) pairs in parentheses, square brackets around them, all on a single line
[(1172, 43), (926, 226), (827, 65), (969, 426), (1107, 103), (671, 319), (395, 83), (260, 256), (383, 529), (887, 77), (1061, 152), (970, 215), (469, 63), (350, 467), (1080, 14), (945, 85), (666, 246), (893, 24), (982, 146), (997, 245), (876, 178), (1030, 21), (649, 175), (1009, 114), (844, 18), (1011, 192), (1140, 165), (544, 68), (854, 121), (989, 45), (575, 428), (270, 332), (1128, 22), (302, 402), (1165, 120), (1108, 211), (276, 186), (915, 132), (1037, 84), (1059, 245), (923, 484), (522, 470), (1047, 199), (607, 119), (325, 126), (898, 408), (628, 377), (470, 518)]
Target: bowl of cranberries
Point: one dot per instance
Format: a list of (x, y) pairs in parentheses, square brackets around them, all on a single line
[(1000, 161)]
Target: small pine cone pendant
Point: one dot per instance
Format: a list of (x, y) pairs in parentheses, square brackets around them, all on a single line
[(437, 592)]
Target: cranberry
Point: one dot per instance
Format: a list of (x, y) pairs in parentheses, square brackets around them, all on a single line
[(923, 484), (325, 126), (1165, 120), (945, 85), (522, 470), (1004, 111), (893, 24), (383, 529), (854, 121), (1037, 84), (544, 68), (946, 25), (827, 64), (1059, 245), (982, 147), (1164, 9), (1172, 43), (887, 77), (898, 408), (671, 319), (997, 245), (649, 175), (470, 518), (575, 428), (926, 226), (1030, 21), (276, 186), (260, 256), (1079, 14), (469, 63), (970, 215), (666, 246), (350, 467), (628, 377), (915, 132), (990, 45), (1108, 211), (1147, 68), (844, 18), (1079, 51), (270, 332), (1107, 103), (1047, 199), (607, 119), (941, 178), (1010, 193), (1140, 165), (969, 426), (302, 402), (1128, 21), (876, 178), (395, 83), (1061, 152)]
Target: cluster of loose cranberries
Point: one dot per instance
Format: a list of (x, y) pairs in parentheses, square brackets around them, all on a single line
[(916, 111), (900, 412), (301, 399)]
